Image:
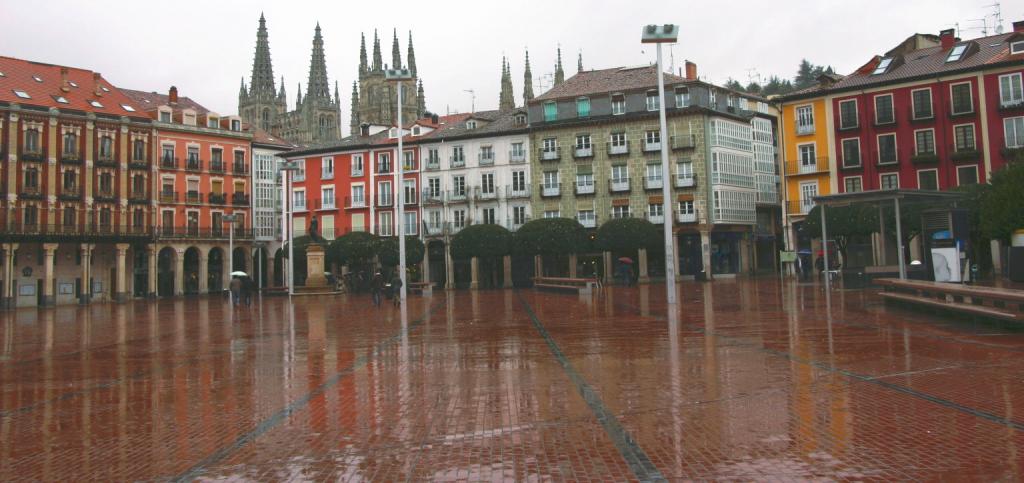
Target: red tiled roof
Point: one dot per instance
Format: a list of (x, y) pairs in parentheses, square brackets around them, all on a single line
[(151, 100), (607, 80), (260, 136), (19, 74)]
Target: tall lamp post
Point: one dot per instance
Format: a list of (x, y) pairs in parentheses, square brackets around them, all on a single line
[(665, 34), (398, 76), (286, 169), (230, 220)]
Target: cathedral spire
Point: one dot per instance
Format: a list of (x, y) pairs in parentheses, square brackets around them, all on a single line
[(410, 56), (337, 97), (559, 73), (353, 123), (579, 62), (396, 53), (298, 97), (318, 89), (378, 61), (527, 81), (362, 55), (242, 93), (421, 106), (281, 94), (506, 101), (262, 83)]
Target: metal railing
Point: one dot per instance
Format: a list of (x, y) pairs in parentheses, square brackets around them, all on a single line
[(550, 153), (485, 159), (239, 199), (193, 164), (651, 146), (585, 187), (616, 185), (799, 166), (217, 198), (551, 189), (37, 229), (516, 157), (168, 162), (457, 161), (653, 182), (618, 149), (204, 232), (687, 180), (216, 166), (359, 202), (683, 141), (583, 151), (803, 129), (239, 169)]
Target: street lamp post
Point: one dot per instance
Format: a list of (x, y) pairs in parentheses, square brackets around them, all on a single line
[(663, 34), (286, 168), (230, 220), (398, 76)]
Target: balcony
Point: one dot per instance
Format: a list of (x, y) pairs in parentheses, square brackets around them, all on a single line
[(656, 218), (1012, 154), (796, 167), (585, 187), (106, 161), (433, 229), (71, 158), (686, 180), (582, 152), (193, 164), (683, 141), (618, 185), (550, 153), (194, 231), (513, 192), (138, 196), (193, 197), (485, 195), (431, 197), (30, 193), (457, 161), (485, 159), (106, 195), (925, 158), (356, 202), (457, 196), (804, 129), (433, 164), (963, 153), (217, 198), (800, 207), (588, 221), (1011, 105), (652, 146), (549, 190), (33, 155), (241, 169), (62, 233), (653, 183), (168, 162), (138, 164), (617, 149), (70, 192), (516, 157), (216, 166), (686, 217), (385, 200), (168, 197)]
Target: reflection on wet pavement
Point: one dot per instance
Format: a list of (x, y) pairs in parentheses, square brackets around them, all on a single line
[(747, 379)]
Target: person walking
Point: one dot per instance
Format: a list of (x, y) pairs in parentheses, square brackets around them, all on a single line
[(396, 289), (247, 288), (376, 288), (236, 289)]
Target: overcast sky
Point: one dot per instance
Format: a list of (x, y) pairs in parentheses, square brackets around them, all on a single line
[(206, 47)]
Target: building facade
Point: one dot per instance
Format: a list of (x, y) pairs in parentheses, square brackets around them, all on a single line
[(317, 116), (597, 156), (76, 177), (266, 205)]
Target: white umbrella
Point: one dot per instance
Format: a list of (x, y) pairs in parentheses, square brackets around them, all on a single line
[(239, 274)]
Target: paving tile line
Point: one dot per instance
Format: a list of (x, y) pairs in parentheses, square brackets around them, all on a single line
[(637, 460), (301, 403), (995, 418)]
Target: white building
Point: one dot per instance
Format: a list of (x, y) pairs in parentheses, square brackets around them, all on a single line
[(266, 202)]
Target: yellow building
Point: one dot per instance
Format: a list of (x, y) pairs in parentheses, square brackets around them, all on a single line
[(807, 161)]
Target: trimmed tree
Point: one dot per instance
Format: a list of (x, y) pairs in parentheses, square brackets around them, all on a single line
[(844, 223), (387, 250), (353, 248), (627, 235), (1002, 207), (481, 241), (550, 236)]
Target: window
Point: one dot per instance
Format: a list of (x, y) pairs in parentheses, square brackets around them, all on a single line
[(582, 141), (685, 207), (807, 193), (488, 216), (299, 200), (167, 154), (928, 179), (1013, 128), (487, 183), (853, 184), (519, 120), (584, 180), (652, 138), (711, 99), (70, 179), (653, 101), (684, 170), (384, 193), (1015, 48), (805, 120), (470, 124), (882, 66), (851, 153), (212, 122), (956, 53), (552, 214), (69, 216), (60, 99), (889, 181), (550, 111), (682, 97), (32, 140), (655, 212), (924, 142), (1010, 91), (730, 101), (165, 116), (551, 179), (459, 218), (106, 183), (138, 218), (848, 114), (327, 168), (486, 155), (22, 94), (384, 162), (960, 95), (31, 215), (964, 137), (550, 145), (808, 159), (139, 150), (327, 198), (105, 217), (922, 103), (358, 195), (384, 225), (653, 172), (518, 215), (409, 191), (458, 156), (620, 173), (357, 165), (193, 155), (966, 175), (70, 144), (517, 153), (887, 149), (583, 107), (618, 140), (459, 185), (31, 178), (620, 211), (411, 223), (96, 104), (883, 110), (519, 181)]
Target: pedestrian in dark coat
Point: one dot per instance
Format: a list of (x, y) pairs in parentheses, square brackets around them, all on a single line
[(377, 288)]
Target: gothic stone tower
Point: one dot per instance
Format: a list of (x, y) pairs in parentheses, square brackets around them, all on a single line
[(374, 102), (261, 104)]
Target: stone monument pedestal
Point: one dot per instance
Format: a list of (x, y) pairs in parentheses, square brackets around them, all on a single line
[(315, 266)]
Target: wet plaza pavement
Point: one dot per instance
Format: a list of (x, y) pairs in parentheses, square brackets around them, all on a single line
[(748, 380)]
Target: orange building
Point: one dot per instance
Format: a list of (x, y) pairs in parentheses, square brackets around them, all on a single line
[(203, 177)]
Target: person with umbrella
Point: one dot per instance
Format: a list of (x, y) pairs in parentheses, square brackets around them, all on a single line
[(626, 271), (236, 289)]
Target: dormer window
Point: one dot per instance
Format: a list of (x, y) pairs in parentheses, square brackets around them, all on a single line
[(127, 108), (22, 94), (883, 65), (393, 132), (236, 125), (653, 101), (72, 83), (519, 119), (165, 116), (60, 99), (1015, 48), (37, 79), (415, 130), (212, 122), (104, 89), (95, 104), (470, 124), (957, 53), (189, 119)]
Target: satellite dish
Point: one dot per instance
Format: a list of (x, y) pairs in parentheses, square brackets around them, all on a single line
[(999, 29)]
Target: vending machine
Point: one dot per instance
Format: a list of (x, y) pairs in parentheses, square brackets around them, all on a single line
[(946, 235)]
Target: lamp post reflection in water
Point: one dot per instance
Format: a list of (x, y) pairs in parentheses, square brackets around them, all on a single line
[(677, 386)]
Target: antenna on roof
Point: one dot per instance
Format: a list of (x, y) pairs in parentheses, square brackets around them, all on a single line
[(472, 95), (752, 75), (997, 16)]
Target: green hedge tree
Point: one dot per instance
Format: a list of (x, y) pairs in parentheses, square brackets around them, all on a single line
[(627, 235), (551, 236), (352, 249), (387, 250), (481, 241), (1002, 207), (845, 223)]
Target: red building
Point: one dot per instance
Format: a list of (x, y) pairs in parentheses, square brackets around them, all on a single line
[(75, 178), (932, 113)]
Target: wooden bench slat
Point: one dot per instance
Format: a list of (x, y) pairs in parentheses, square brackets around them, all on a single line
[(958, 306), (990, 293)]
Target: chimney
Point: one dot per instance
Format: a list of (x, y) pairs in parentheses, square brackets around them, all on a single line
[(946, 39), (364, 129), (172, 96), (96, 85), (433, 119), (1018, 26), (691, 71), (64, 85)]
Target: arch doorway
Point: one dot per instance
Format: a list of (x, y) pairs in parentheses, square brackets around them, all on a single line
[(191, 271), (165, 263), (215, 270)]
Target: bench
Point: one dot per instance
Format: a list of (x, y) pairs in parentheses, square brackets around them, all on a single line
[(986, 302), (424, 288), (583, 286)]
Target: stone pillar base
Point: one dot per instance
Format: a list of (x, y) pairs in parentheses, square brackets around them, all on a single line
[(6, 302), (84, 299), (47, 301), (474, 285), (121, 297)]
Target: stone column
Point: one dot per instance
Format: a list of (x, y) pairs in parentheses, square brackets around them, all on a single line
[(705, 252), (151, 272), (474, 268), (49, 250), (997, 257), (425, 265), (572, 265), (675, 253), (449, 268), (643, 276), (121, 289), (204, 272), (86, 273), (507, 262), (538, 266), (745, 266), (179, 271), (225, 273), (609, 268), (7, 298)]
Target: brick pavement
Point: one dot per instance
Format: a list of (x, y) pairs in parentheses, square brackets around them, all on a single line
[(749, 380)]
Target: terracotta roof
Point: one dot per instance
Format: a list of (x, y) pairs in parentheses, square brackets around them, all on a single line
[(607, 80), (260, 136), (44, 84), (151, 100), (497, 123)]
